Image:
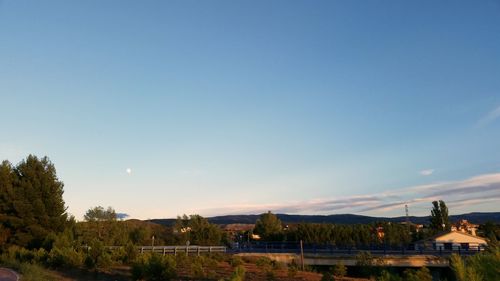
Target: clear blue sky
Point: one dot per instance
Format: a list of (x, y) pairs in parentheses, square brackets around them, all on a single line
[(222, 107)]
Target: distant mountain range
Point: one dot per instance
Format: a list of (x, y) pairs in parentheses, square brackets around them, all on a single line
[(477, 218)]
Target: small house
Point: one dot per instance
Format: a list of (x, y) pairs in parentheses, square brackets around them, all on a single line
[(452, 240)]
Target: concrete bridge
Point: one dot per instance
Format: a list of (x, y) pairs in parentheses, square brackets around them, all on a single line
[(321, 257)]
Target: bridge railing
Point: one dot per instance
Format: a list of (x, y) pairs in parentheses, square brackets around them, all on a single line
[(292, 247)]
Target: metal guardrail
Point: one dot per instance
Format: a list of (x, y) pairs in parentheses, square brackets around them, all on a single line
[(176, 249), (182, 249)]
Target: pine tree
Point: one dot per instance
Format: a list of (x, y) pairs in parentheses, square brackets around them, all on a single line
[(31, 203)]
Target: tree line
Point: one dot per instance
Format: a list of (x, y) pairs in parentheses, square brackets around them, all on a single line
[(35, 227)]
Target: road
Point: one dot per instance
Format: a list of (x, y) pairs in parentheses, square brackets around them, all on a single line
[(8, 275)]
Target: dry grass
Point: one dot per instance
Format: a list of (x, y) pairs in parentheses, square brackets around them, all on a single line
[(223, 270)]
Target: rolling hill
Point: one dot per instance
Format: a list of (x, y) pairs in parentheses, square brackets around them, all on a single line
[(475, 217)]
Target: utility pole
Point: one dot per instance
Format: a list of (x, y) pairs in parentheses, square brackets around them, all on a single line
[(302, 254)]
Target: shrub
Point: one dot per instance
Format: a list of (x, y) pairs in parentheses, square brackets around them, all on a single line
[(276, 265), (387, 276), (250, 259), (211, 274), (423, 274), (340, 270), (160, 268), (154, 268), (41, 256), (97, 256), (138, 268), (263, 262), (209, 262), (33, 272), (270, 275), (130, 253), (219, 257), (236, 261), (365, 263), (197, 269), (183, 261), (292, 271), (482, 266), (327, 276), (65, 257), (238, 274), (18, 254)]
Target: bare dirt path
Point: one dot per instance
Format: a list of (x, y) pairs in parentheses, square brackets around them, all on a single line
[(8, 275)]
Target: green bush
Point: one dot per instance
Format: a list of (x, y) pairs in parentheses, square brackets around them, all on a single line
[(270, 275), (236, 261), (292, 269), (219, 257), (154, 268), (41, 256), (483, 266), (197, 270), (97, 256), (327, 276), (387, 276), (340, 270), (458, 267), (211, 274), (183, 261), (65, 257), (264, 262), (277, 265), (34, 272), (29, 271), (18, 254), (365, 262), (209, 262), (238, 274), (423, 274), (118, 255), (130, 253)]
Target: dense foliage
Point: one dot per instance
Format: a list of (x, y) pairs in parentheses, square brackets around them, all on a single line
[(439, 217), (480, 267), (269, 227), (31, 203), (196, 230), (360, 235)]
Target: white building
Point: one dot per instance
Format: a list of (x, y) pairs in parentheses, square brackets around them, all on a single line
[(453, 240)]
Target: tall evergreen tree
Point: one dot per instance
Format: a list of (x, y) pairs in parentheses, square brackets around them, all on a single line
[(7, 179), (439, 216), (31, 203)]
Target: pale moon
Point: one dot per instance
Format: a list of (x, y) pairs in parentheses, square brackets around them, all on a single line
[(129, 171)]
